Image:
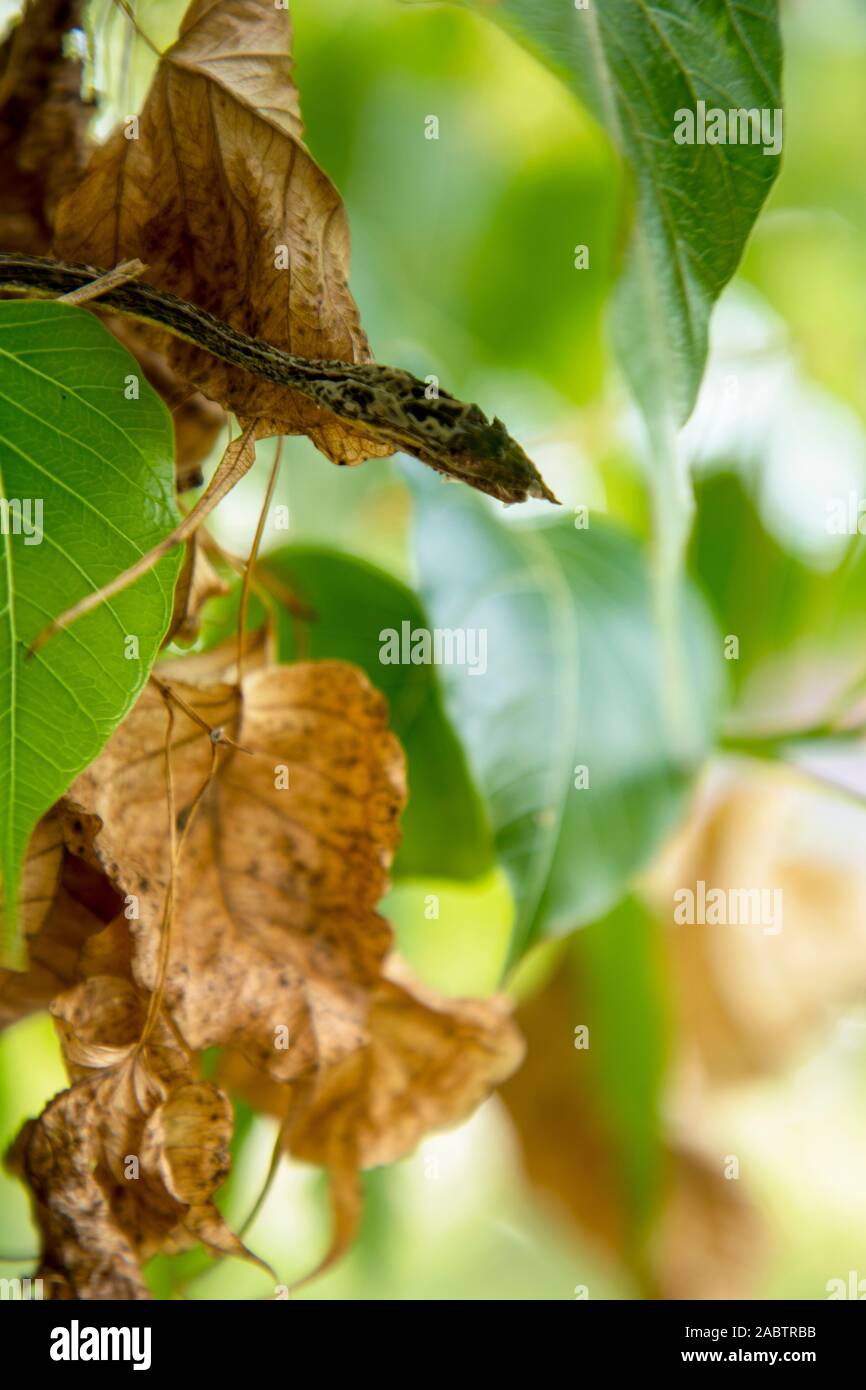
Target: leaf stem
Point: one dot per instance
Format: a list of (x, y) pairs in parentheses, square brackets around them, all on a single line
[(253, 556)]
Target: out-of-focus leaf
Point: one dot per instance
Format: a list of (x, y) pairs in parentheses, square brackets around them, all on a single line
[(754, 996), (493, 206), (590, 1122), (802, 643), (43, 121), (619, 966), (636, 66), (99, 465), (566, 728)]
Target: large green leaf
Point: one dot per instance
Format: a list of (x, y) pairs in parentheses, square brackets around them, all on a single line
[(573, 681), (635, 65), (101, 466), (445, 831)]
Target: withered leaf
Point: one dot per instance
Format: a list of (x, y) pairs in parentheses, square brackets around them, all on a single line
[(705, 1237), (216, 195), (428, 1063), (275, 942), (126, 1161)]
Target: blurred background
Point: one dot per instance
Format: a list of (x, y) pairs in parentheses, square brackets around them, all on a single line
[(716, 1146)]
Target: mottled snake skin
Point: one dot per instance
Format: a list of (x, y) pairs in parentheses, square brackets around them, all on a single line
[(392, 405)]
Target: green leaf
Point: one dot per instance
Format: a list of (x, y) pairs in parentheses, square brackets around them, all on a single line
[(445, 831), (573, 682), (101, 467), (635, 65), (618, 966)]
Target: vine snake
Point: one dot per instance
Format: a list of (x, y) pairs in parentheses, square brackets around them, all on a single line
[(392, 405)]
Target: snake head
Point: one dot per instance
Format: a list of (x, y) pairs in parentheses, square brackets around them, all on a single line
[(520, 473), (450, 435), (484, 455)]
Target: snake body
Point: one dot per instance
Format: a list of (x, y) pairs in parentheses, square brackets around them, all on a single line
[(392, 405)]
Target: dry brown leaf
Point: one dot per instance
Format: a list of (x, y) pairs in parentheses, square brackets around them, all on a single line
[(85, 1254), (275, 943), (428, 1063), (217, 182), (706, 1236), (186, 1143), (126, 1161), (710, 1238), (43, 121)]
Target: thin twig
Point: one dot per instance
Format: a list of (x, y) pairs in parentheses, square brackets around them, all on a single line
[(217, 736), (253, 556), (264, 583), (176, 845), (237, 460), (120, 275)]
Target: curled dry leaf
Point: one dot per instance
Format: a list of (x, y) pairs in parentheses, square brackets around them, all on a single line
[(126, 1161), (43, 121), (428, 1062), (227, 208), (705, 1236), (275, 942)]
